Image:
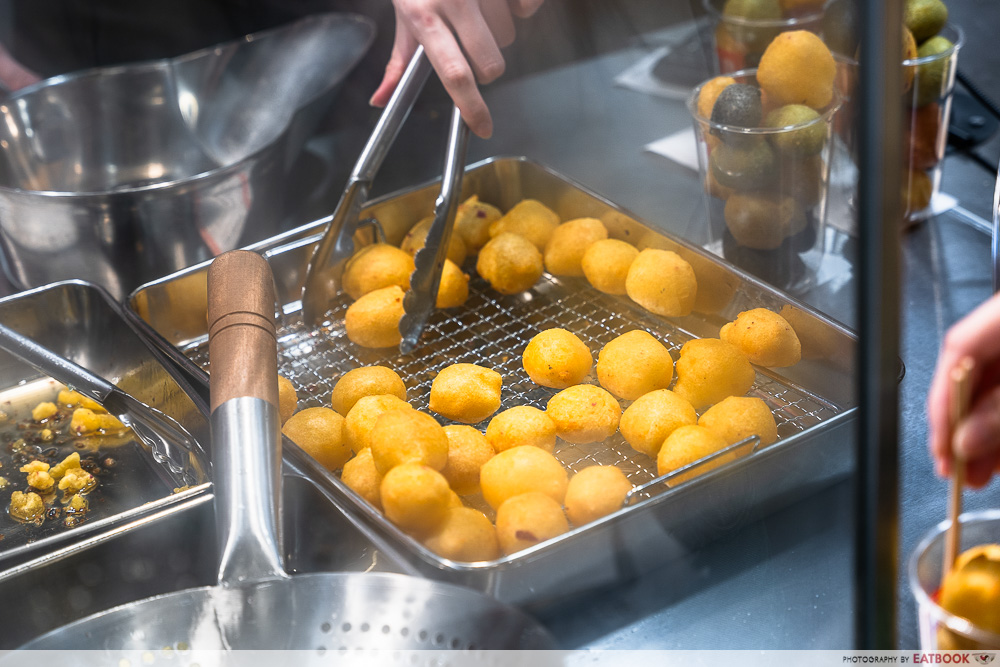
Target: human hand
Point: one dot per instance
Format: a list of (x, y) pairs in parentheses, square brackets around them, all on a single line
[(14, 75), (462, 39), (977, 437)]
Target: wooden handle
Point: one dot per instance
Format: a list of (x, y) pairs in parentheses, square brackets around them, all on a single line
[(242, 348), (961, 379)]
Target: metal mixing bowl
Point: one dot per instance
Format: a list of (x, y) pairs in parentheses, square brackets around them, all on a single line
[(121, 175)]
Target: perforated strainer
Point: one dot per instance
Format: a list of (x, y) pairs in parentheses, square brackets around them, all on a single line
[(256, 605)]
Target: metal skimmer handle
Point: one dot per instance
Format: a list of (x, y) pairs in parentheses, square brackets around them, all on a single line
[(337, 245), (421, 298)]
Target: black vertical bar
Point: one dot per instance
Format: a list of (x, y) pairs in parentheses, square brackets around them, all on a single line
[(879, 225)]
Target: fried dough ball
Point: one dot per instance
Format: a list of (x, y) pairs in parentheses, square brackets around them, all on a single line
[(88, 421), (468, 451), (662, 283), (557, 358), (686, 445), (361, 476), (605, 265), (529, 218), (529, 519), (521, 425), (465, 535), (765, 337), (466, 393), (584, 413), (473, 220), (404, 435), (652, 417), (44, 410), (594, 492), (510, 263), (569, 241), (375, 267), (738, 417), (453, 289), (365, 381), (416, 239), (361, 418), (634, 364), (373, 320), (709, 370), (817, 340), (320, 432), (716, 285), (520, 470), (288, 400), (416, 498), (972, 590)]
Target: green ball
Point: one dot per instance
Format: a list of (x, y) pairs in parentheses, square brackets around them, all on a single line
[(932, 77), (924, 18), (749, 167), (800, 141)]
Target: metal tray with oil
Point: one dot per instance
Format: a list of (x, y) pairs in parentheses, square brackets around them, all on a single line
[(134, 486), (812, 401)]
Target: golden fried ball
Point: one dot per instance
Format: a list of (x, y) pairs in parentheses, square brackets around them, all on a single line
[(510, 263), (648, 421), (530, 219), (465, 535), (361, 418), (817, 340), (361, 476), (473, 220), (662, 283), (466, 393), (738, 417), (468, 451), (320, 432), (686, 445), (373, 320), (605, 265), (377, 266), (634, 364), (416, 498), (557, 358), (521, 425), (569, 241), (416, 239), (404, 435), (717, 285), (454, 287), (287, 398), (972, 590), (520, 470), (584, 413), (529, 519), (594, 492), (709, 369), (765, 337), (365, 381)]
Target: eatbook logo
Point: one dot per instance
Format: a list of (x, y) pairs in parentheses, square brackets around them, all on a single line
[(984, 658)]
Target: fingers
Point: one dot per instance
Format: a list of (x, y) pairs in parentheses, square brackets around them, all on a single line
[(524, 8), (403, 47)]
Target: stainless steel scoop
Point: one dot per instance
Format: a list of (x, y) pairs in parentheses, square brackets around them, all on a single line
[(256, 605)]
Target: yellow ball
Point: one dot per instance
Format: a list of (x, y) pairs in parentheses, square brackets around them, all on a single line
[(287, 398), (405, 435), (605, 265), (634, 364), (375, 267), (662, 283), (365, 381), (710, 92), (361, 476), (473, 220), (797, 68), (594, 492), (709, 370), (511, 264), (738, 417), (373, 320), (569, 241), (415, 498), (765, 337), (584, 413), (521, 425), (530, 219), (453, 290), (529, 519), (465, 535), (686, 445), (648, 421), (520, 470), (557, 358), (320, 432), (972, 589), (468, 451), (466, 393), (361, 418), (416, 239)]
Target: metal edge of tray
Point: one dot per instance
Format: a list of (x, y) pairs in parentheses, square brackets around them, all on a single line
[(54, 548), (625, 543)]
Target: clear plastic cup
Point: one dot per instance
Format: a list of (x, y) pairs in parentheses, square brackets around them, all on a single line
[(739, 41), (927, 109), (940, 629), (766, 192)]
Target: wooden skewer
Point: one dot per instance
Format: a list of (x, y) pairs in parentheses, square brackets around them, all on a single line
[(960, 391)]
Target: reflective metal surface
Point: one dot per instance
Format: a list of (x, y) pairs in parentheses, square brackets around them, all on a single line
[(123, 174)]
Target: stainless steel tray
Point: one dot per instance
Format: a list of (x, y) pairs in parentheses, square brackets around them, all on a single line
[(81, 322), (812, 401)]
